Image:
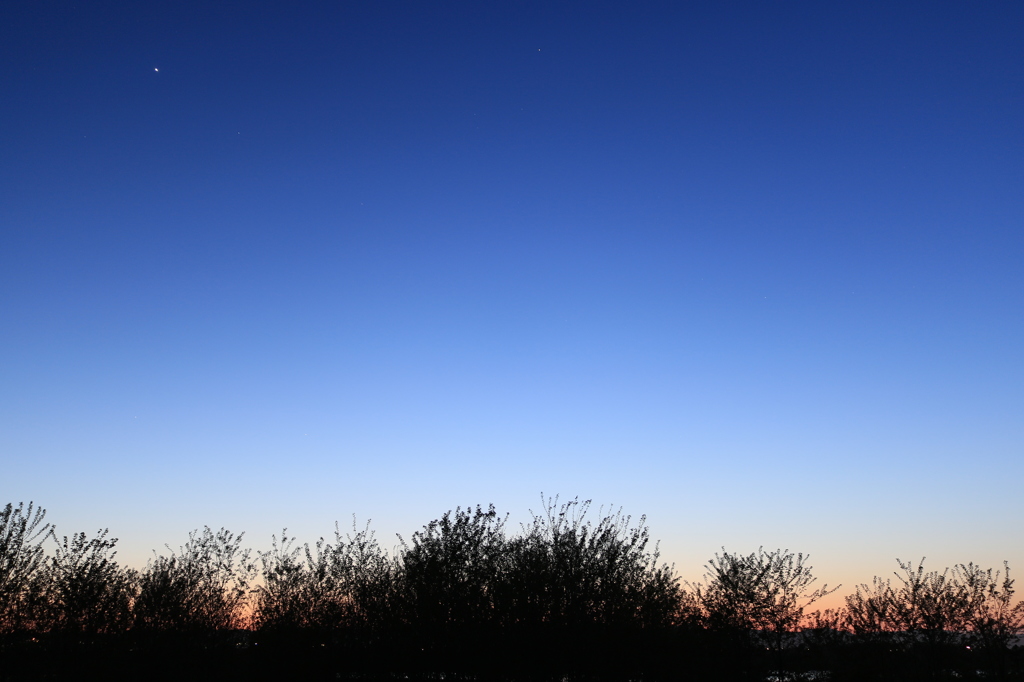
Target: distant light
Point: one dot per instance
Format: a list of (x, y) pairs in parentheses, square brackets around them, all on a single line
[(156, 69)]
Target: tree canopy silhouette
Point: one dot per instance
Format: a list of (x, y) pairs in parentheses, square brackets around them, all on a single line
[(565, 595)]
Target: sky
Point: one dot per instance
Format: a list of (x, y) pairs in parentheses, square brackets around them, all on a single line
[(751, 269)]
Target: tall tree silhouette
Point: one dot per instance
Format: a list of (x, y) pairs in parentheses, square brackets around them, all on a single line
[(22, 533), (203, 587), (763, 591), (568, 570), (450, 569), (84, 590), (962, 604), (327, 586), (571, 595)]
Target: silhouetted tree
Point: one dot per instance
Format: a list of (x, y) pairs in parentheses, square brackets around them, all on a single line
[(22, 534), (567, 570), (370, 577), (298, 591), (993, 620), (954, 605), (762, 592), (569, 597), (449, 571), (83, 588), (562, 595), (326, 587), (203, 587)]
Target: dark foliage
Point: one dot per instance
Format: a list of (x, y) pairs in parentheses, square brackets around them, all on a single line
[(344, 585), (763, 592), (571, 572), (564, 597), (21, 556), (203, 587), (452, 572), (82, 588)]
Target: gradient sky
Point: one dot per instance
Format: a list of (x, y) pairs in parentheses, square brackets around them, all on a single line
[(753, 269)]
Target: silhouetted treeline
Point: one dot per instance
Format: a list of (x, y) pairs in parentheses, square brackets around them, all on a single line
[(562, 597)]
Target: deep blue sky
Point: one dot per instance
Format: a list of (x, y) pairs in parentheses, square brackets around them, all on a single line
[(752, 269)]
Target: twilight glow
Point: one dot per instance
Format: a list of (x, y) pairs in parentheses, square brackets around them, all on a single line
[(752, 270)]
